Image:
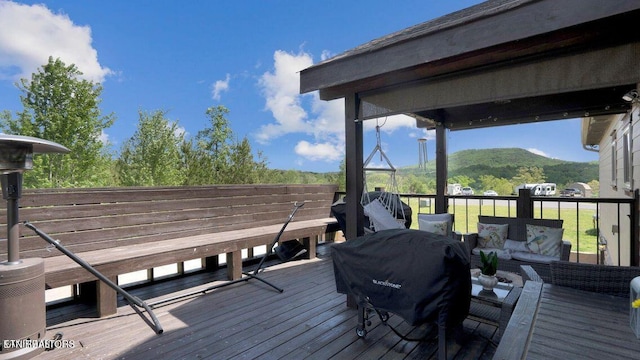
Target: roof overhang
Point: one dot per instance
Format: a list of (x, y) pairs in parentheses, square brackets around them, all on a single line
[(500, 62), (595, 128), (569, 86)]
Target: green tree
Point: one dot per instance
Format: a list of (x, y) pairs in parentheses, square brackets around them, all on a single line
[(244, 169), (152, 156), (217, 159), (500, 185), (290, 177), (329, 178), (414, 185), (215, 142), (529, 175), (196, 164), (342, 176), (462, 180), (60, 107), (595, 187)]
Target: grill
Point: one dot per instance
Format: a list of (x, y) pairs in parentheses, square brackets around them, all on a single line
[(419, 276)]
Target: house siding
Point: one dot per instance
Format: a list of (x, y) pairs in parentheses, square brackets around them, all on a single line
[(614, 223)]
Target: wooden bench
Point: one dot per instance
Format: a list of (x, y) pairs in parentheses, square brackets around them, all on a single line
[(121, 230)]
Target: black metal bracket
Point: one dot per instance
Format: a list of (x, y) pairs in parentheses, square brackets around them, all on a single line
[(247, 275), (134, 301)]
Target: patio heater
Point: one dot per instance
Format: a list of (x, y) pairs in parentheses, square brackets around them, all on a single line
[(22, 285)]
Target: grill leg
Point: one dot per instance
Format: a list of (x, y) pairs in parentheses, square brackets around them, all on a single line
[(361, 330), (442, 341)]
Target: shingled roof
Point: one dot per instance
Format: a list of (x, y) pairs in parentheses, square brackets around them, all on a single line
[(499, 62), (461, 17)]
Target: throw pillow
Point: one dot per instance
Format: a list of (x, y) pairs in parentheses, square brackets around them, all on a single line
[(544, 240), (515, 246), (492, 235), (531, 257), (501, 253), (435, 227)]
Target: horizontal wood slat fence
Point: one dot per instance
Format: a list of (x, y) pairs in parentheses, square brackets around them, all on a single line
[(120, 230)]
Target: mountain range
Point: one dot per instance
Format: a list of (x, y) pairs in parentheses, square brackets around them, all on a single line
[(504, 163)]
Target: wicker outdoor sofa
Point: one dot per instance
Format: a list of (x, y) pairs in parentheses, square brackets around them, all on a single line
[(603, 279), (517, 231)]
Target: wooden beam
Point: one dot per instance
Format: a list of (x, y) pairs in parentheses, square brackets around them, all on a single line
[(567, 105), (591, 69)]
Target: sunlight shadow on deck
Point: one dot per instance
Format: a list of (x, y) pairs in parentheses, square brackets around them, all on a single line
[(252, 320)]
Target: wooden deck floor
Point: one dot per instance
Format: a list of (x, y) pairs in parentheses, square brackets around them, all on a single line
[(590, 322), (310, 320)]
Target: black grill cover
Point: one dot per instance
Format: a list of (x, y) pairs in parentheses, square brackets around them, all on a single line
[(421, 277)]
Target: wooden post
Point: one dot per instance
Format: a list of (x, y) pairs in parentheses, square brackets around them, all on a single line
[(524, 207), (442, 204), (354, 172), (354, 163)]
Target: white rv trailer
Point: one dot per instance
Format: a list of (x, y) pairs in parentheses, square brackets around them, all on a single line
[(454, 189), (543, 189)]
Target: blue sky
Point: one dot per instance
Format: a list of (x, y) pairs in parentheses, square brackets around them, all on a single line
[(185, 56)]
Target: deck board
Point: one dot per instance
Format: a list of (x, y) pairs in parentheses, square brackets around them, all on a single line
[(252, 321)]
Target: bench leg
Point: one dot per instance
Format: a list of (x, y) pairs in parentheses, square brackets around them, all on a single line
[(99, 293), (211, 263), (107, 298), (234, 265), (310, 244), (87, 292)]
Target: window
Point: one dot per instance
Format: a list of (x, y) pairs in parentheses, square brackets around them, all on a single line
[(626, 157)]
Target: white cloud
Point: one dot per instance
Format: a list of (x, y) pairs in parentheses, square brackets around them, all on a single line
[(29, 34), (391, 123), (323, 121), (537, 152), (423, 134), (319, 151), (179, 130), (104, 137), (326, 54), (220, 86), (280, 89)]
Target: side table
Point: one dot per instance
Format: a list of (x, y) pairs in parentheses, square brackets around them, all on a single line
[(495, 307)]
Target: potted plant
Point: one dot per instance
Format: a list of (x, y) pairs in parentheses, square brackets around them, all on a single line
[(487, 277)]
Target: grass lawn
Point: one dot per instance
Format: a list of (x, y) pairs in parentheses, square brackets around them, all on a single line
[(578, 226)]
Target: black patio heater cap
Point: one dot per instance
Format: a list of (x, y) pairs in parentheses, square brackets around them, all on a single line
[(22, 286)]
